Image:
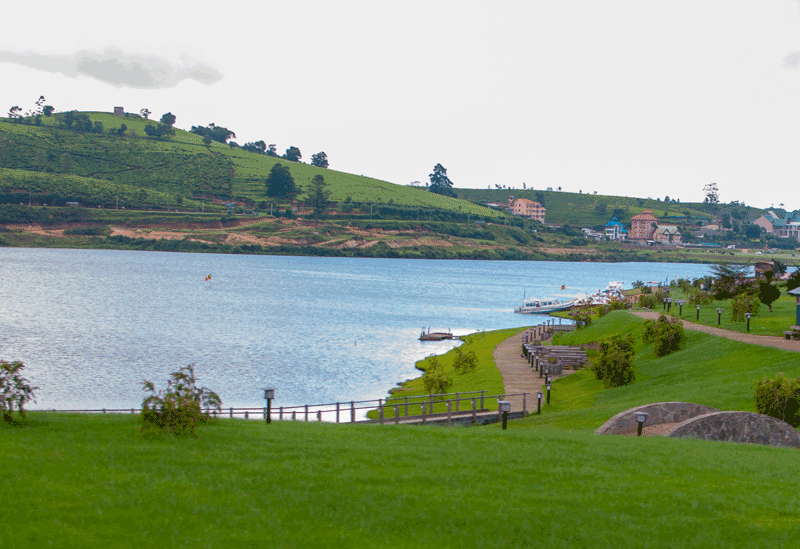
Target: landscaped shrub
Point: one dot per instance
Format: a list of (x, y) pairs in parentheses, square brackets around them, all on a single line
[(614, 364), (179, 409), (668, 335), (744, 303), (582, 317), (15, 391), (465, 362), (779, 397), (434, 380), (648, 301), (700, 298)]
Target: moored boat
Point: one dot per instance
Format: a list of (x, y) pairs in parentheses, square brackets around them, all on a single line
[(544, 306)]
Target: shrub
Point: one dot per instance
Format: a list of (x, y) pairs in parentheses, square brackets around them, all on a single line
[(648, 301), (649, 331), (614, 361), (434, 380), (179, 410), (15, 391), (465, 362), (582, 318), (779, 397), (668, 335), (700, 298), (744, 303)]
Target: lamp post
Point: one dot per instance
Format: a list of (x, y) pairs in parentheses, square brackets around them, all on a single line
[(719, 316), (269, 394), (548, 392), (539, 402), (641, 417), (669, 304), (665, 303), (505, 407), (748, 315), (680, 308), (698, 312)]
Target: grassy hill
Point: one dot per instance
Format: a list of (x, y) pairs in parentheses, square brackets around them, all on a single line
[(179, 166)]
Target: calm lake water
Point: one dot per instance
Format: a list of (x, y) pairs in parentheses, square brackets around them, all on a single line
[(90, 325)]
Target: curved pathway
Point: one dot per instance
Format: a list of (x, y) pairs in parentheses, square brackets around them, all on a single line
[(518, 376), (767, 341)]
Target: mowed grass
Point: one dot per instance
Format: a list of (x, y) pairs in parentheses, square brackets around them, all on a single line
[(708, 370), (92, 481), (486, 377)]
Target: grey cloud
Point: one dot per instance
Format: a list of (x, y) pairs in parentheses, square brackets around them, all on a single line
[(792, 60), (118, 68)]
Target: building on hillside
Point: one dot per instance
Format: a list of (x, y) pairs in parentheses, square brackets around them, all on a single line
[(667, 234), (526, 208), (615, 231), (785, 227), (119, 111), (767, 223), (643, 226), (591, 233)]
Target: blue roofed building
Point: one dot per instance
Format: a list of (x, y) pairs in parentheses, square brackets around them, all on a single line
[(615, 230)]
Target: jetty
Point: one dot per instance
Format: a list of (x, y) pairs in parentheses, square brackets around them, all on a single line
[(435, 336)]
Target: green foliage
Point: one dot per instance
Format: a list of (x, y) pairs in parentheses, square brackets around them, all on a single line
[(293, 154), (318, 196), (162, 131), (440, 183), (582, 317), (768, 293), (320, 160), (666, 334), (465, 362), (744, 303), (617, 305), (614, 362), (168, 119), (434, 380), (179, 409), (779, 397), (15, 391), (647, 301), (280, 183), (700, 298)]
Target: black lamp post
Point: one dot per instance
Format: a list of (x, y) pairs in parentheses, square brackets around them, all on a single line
[(269, 394), (641, 417), (505, 407), (698, 312), (680, 308), (669, 304), (719, 316), (539, 402), (748, 315), (665, 304), (548, 392)]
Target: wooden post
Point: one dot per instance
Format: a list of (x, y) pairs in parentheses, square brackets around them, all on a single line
[(474, 413), (231, 412), (449, 413), (104, 410), (246, 414), (337, 412), (406, 406), (380, 411), (306, 412), (352, 412), (482, 394), (431, 404), (281, 416), (294, 416), (524, 404), (319, 415), (458, 402), (396, 414), (423, 413)]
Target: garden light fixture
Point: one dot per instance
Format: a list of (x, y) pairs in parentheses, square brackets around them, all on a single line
[(539, 402), (505, 407), (269, 394), (641, 417)]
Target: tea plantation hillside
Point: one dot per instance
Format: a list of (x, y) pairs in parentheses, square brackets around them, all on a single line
[(143, 171)]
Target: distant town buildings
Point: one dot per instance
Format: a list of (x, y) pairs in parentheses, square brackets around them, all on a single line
[(643, 226), (526, 208), (615, 231), (787, 226)]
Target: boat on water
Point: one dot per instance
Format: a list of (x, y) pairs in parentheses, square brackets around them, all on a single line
[(435, 336), (544, 306)]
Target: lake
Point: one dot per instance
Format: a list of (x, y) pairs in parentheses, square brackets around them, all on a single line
[(91, 325)]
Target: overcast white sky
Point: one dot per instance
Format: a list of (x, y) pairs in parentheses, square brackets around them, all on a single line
[(638, 98)]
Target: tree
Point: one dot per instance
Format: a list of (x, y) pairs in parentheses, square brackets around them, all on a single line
[(318, 197), (145, 113), (540, 198), (752, 231), (14, 112), (767, 292), (434, 380), (614, 363), (39, 105), (293, 154), (168, 119), (220, 134), (440, 183), (320, 160), (726, 221), (69, 118), (258, 147), (725, 277), (122, 129), (280, 183), (159, 132), (712, 193), (15, 391), (48, 110)]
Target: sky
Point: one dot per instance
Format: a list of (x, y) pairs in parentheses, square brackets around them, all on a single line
[(633, 98)]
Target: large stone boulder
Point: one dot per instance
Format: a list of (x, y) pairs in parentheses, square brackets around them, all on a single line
[(747, 427), (657, 413)]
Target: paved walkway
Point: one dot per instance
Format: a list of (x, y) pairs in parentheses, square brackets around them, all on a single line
[(518, 376), (767, 341)]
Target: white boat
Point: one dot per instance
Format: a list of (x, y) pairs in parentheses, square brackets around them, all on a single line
[(543, 306)]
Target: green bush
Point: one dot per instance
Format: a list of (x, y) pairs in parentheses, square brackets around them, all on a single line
[(582, 317), (465, 362), (434, 380), (15, 391), (614, 364), (744, 303), (648, 301), (179, 410), (700, 298), (85, 231), (779, 397), (667, 334), (649, 331)]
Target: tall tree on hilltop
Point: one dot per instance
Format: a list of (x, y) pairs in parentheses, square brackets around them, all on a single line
[(280, 183), (440, 183), (320, 160), (712, 193), (168, 119), (293, 154), (145, 113), (318, 197)]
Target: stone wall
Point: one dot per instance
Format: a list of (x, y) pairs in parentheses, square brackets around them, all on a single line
[(657, 413), (746, 427)]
